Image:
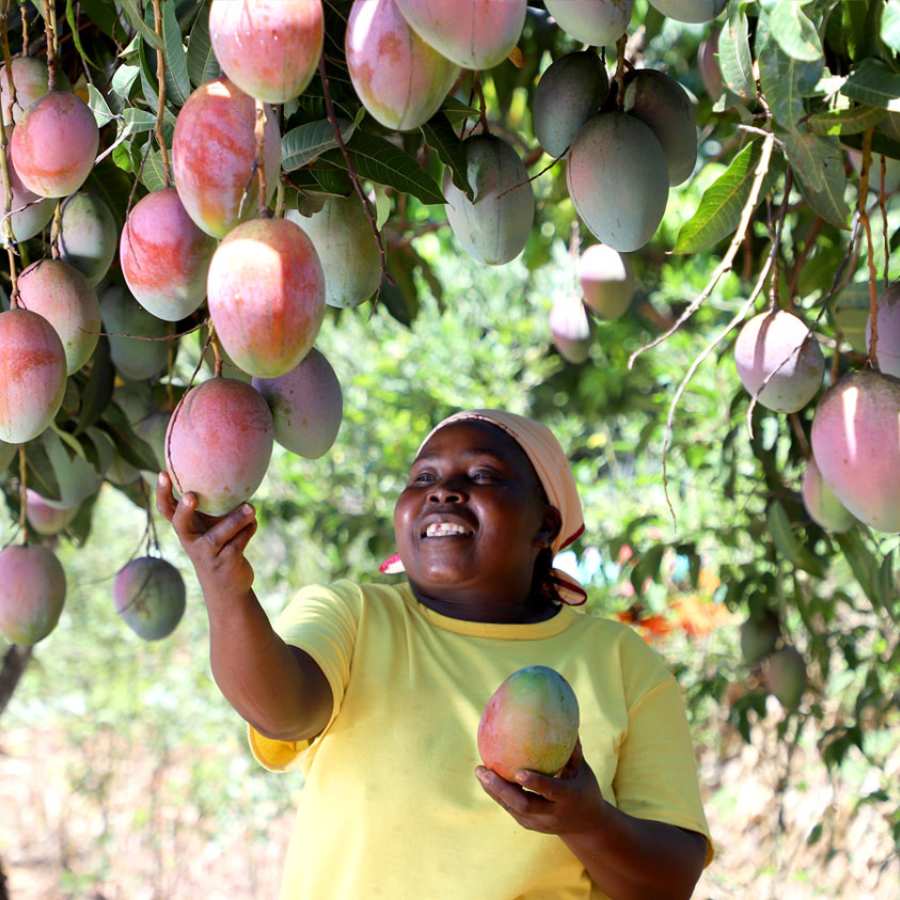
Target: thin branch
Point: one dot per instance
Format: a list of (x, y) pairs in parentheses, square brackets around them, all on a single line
[(882, 202), (5, 166), (725, 265), (56, 229), (546, 168), (50, 31), (348, 161), (23, 494), (800, 434), (216, 350), (738, 317), (870, 251), (619, 77), (260, 133), (161, 95)]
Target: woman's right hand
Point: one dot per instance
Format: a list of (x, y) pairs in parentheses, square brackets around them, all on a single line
[(215, 545)]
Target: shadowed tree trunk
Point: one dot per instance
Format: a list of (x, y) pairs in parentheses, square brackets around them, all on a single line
[(14, 664), (15, 661)]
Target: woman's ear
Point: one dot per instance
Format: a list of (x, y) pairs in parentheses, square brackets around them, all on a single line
[(551, 522)]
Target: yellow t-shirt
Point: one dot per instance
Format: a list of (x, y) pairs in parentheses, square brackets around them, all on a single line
[(391, 807)]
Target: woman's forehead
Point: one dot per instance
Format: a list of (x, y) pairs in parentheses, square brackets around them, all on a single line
[(466, 438)]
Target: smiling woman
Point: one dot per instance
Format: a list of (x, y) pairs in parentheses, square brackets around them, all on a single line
[(375, 691)]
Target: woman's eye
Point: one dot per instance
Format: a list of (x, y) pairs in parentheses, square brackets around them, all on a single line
[(483, 475), (423, 478)]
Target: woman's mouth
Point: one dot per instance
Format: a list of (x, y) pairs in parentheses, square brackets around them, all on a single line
[(446, 530)]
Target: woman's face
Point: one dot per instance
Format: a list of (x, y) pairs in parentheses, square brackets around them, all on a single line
[(472, 518)]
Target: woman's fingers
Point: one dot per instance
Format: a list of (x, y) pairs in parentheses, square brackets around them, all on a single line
[(238, 544), (228, 528), (186, 519), (165, 501)]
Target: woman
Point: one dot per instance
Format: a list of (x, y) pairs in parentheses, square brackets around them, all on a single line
[(374, 692)]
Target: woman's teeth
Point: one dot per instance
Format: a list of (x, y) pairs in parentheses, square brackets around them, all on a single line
[(442, 529)]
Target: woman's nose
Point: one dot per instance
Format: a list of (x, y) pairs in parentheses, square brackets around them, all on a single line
[(446, 492)]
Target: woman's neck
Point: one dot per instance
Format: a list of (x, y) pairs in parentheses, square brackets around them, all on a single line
[(535, 607)]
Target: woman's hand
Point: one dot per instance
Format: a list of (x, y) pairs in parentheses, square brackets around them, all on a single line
[(569, 803), (215, 545)]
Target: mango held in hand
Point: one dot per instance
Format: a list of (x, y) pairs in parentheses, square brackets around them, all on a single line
[(530, 722)]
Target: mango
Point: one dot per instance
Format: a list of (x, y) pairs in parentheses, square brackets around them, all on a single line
[(758, 636), (346, 248), (887, 349), (269, 48), (54, 145), (306, 404), (779, 347), (266, 296), (219, 443), (165, 257), (570, 328), (30, 213), (88, 236), (568, 94), (618, 180), (475, 34), (400, 79), (856, 445), (213, 156), (495, 227), (32, 375), (784, 674), (126, 322), (45, 516), (607, 281), (663, 104), (61, 294), (597, 22), (530, 722), (823, 507), (32, 593), (149, 595), (690, 10)]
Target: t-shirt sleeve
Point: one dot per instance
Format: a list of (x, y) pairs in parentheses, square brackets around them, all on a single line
[(321, 620), (656, 775)]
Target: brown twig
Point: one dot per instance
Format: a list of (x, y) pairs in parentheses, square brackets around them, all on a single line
[(56, 229), (800, 434), (7, 62), (260, 133), (161, 95), (882, 202), (528, 180), (351, 169), (23, 17), (619, 77), (8, 233), (482, 105), (870, 252), (50, 31), (23, 494), (216, 351), (725, 265)]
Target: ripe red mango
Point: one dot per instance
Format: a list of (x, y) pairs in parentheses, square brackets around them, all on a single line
[(266, 295), (268, 48), (530, 722), (32, 593)]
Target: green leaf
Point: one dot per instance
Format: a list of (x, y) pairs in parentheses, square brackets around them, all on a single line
[(306, 143), (886, 584), (123, 81), (788, 545), (132, 448), (106, 17), (178, 84), (72, 20), (382, 206), (40, 474), (148, 75), (456, 111), (862, 562), (138, 120), (439, 135), (99, 107), (795, 33), (890, 25), (854, 120), (785, 81), (322, 178), (735, 61), (720, 208), (805, 152), (152, 175), (379, 160), (133, 13), (201, 61), (874, 84), (818, 163), (97, 392)]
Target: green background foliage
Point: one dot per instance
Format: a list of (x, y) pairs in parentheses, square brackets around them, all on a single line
[(823, 78)]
